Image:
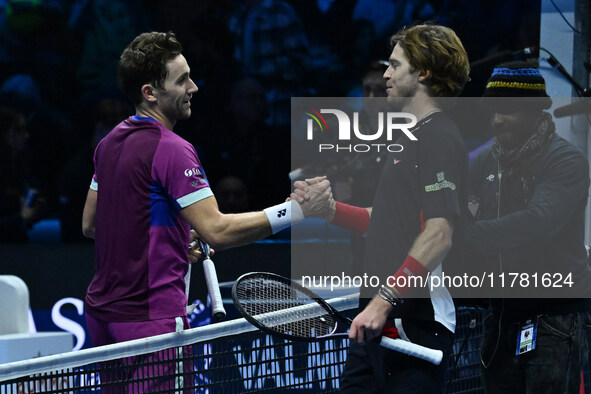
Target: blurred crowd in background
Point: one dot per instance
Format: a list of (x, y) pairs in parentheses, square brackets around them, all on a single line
[(59, 95)]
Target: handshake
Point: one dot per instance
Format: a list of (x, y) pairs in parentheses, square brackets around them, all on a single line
[(315, 198)]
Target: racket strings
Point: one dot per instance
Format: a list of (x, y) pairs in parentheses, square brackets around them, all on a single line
[(284, 309)]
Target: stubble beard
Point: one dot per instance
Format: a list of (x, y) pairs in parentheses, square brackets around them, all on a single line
[(401, 99)]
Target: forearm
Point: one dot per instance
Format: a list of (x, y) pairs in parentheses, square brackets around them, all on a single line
[(427, 252), (223, 231), (430, 247), (89, 214), (559, 192), (533, 224), (231, 230), (433, 244)]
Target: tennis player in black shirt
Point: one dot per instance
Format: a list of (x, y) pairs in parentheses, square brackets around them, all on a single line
[(415, 225)]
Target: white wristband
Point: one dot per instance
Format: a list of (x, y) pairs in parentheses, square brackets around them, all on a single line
[(284, 215)]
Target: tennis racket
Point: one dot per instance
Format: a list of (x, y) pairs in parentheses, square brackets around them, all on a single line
[(282, 307), (211, 279)]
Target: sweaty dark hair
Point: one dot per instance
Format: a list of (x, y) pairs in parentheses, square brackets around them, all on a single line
[(144, 61)]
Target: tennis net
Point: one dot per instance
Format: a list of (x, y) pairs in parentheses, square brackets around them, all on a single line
[(228, 357)]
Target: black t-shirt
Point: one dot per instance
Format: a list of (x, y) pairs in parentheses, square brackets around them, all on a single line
[(428, 179)]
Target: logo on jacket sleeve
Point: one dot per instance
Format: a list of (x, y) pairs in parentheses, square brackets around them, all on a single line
[(192, 171)]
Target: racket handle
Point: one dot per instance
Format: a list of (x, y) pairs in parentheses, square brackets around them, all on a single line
[(213, 287), (434, 356)]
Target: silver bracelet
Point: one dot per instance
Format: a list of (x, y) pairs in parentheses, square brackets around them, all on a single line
[(387, 294)]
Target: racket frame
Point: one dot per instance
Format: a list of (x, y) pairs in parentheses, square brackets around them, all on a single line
[(255, 322), (433, 356)]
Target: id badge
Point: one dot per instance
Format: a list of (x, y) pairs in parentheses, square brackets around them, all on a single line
[(526, 337)]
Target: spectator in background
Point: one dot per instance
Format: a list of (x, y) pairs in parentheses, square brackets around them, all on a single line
[(354, 176), (363, 175), (273, 48), (114, 24), (103, 116), (528, 192), (50, 142), (373, 83), (20, 206), (232, 195), (387, 15), (205, 26), (330, 32), (243, 145), (216, 71), (469, 16), (35, 39), (358, 183), (373, 88)]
